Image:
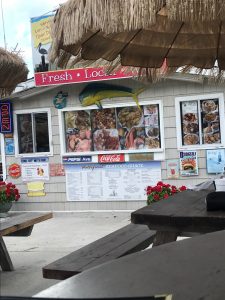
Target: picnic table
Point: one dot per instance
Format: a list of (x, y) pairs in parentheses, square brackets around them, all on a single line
[(17, 224), (183, 214), (190, 269)]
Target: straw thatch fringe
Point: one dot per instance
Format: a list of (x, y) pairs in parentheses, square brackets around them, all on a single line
[(213, 75), (108, 16), (196, 10), (78, 18), (13, 70)]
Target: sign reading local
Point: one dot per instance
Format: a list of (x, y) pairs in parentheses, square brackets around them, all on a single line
[(6, 117), (76, 76)]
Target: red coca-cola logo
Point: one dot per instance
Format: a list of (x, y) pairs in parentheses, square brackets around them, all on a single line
[(111, 158), (14, 171)]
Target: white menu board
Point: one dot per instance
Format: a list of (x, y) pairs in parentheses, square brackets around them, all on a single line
[(120, 181)]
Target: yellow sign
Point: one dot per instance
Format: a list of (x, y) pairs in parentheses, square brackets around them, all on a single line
[(35, 189), (41, 30)]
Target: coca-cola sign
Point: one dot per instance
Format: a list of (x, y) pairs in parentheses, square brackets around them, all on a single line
[(110, 158)]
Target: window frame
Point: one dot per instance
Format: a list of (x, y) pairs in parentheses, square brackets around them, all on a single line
[(2, 153), (30, 111), (92, 153), (178, 100)]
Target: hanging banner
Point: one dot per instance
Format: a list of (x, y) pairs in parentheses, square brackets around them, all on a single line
[(6, 117), (76, 76), (41, 42)]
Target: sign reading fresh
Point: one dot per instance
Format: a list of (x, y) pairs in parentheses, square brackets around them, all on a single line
[(6, 118)]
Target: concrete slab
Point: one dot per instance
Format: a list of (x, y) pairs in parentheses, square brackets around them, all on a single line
[(50, 240)]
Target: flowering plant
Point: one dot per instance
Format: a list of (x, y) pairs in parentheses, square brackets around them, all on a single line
[(162, 191), (8, 192)]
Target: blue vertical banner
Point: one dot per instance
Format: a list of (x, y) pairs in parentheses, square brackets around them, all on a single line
[(6, 117)]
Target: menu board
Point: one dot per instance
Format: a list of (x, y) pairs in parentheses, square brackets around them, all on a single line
[(200, 122), (113, 129), (103, 182)]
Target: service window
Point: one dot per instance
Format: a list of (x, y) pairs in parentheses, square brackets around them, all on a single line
[(33, 132), (200, 121), (114, 129)]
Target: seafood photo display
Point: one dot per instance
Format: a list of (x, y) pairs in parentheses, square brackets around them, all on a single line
[(210, 121), (190, 123), (113, 129), (78, 131)]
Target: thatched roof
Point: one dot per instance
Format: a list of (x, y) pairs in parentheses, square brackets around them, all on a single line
[(141, 33), (13, 70)]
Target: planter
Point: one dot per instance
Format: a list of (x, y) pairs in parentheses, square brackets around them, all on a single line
[(4, 208)]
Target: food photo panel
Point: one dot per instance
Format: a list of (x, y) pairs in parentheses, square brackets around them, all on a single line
[(130, 124), (210, 121), (152, 126), (78, 131), (190, 123), (103, 119), (106, 139)]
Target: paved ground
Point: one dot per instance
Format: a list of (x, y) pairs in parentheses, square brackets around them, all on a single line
[(49, 241)]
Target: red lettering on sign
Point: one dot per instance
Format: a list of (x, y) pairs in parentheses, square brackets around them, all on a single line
[(77, 75), (111, 158), (5, 127)]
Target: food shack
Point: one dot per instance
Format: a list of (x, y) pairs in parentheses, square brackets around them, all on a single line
[(63, 155)]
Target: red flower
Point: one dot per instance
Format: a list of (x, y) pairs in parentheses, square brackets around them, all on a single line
[(161, 191), (158, 188), (8, 192), (182, 188), (156, 197)]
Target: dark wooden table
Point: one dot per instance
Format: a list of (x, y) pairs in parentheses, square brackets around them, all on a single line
[(17, 224), (183, 214), (190, 269)]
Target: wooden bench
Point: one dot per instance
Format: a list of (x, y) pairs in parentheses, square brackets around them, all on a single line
[(126, 240)]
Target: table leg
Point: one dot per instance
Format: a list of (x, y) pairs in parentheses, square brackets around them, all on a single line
[(163, 237), (5, 260)]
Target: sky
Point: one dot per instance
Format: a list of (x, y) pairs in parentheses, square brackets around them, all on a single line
[(16, 16)]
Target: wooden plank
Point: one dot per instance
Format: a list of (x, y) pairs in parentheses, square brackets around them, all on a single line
[(189, 269), (22, 232), (20, 220), (183, 212), (126, 240), (5, 260)]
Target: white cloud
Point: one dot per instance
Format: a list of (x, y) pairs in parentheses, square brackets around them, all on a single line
[(17, 14)]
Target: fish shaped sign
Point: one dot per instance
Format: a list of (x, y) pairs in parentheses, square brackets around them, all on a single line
[(93, 93)]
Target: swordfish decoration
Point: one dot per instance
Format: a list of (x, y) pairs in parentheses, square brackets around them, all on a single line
[(93, 93)]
